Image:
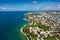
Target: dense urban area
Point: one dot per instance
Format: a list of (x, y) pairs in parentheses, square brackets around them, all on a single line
[(42, 26)]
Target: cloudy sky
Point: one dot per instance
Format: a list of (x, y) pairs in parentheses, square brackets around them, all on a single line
[(29, 5)]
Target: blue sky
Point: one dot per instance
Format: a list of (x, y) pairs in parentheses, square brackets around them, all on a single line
[(29, 5)]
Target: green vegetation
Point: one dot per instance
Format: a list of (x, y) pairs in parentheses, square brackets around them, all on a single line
[(43, 27), (40, 25), (34, 36), (25, 29), (27, 17), (58, 37), (50, 38), (59, 28)]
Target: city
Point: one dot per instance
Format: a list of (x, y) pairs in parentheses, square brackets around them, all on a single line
[(42, 26)]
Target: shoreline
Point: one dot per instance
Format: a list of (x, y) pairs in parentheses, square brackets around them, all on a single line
[(23, 32), (21, 29)]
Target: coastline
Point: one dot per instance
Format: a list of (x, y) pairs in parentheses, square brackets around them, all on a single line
[(23, 32), (21, 29), (40, 27)]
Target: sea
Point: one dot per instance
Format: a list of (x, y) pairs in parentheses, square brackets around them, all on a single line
[(10, 25)]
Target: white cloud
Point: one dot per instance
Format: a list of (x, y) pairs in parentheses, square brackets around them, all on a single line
[(0, 7), (46, 8), (34, 2), (58, 6), (12, 8), (49, 7), (7, 8), (33, 7), (3, 8)]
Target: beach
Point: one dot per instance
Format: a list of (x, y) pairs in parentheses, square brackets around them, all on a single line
[(23, 32)]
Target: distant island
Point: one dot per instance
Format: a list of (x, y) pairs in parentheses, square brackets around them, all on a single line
[(42, 26)]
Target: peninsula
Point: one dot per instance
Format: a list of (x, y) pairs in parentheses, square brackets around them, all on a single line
[(42, 26)]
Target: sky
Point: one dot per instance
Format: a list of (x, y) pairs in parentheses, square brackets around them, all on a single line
[(29, 5)]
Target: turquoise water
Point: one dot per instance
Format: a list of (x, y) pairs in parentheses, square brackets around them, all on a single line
[(10, 24)]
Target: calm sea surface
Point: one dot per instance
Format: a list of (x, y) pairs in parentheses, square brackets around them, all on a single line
[(10, 23)]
